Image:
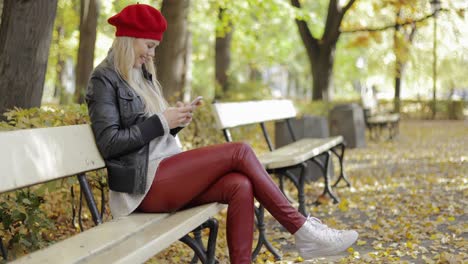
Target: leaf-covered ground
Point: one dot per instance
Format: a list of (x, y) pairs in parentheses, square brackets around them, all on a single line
[(408, 202)]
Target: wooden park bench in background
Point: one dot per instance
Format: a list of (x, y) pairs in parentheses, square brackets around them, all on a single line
[(279, 161), (377, 121), (33, 156), (376, 124)]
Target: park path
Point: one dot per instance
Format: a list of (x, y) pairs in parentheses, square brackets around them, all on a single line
[(409, 199)]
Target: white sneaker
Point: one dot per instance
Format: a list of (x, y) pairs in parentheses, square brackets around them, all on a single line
[(315, 239)]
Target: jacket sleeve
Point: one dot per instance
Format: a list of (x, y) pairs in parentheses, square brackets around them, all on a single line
[(176, 130), (112, 139)]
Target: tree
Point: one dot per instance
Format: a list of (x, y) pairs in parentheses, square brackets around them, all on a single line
[(223, 53), (89, 13), (402, 39), (171, 55), (62, 52), (321, 51), (25, 36)]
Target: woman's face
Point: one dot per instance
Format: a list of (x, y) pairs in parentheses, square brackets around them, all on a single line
[(144, 50)]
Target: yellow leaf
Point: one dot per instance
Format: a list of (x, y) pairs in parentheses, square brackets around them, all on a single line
[(343, 205), (409, 245), (409, 235), (361, 242)]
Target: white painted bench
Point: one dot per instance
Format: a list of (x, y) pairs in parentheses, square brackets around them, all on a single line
[(34, 156), (376, 121), (294, 155)]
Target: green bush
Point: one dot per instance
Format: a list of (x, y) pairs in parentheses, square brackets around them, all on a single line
[(23, 222), (45, 116)]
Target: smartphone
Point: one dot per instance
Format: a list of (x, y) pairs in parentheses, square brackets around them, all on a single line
[(196, 100)]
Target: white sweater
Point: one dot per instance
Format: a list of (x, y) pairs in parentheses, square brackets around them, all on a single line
[(123, 204)]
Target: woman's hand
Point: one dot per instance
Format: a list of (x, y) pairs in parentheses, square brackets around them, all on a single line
[(181, 115)]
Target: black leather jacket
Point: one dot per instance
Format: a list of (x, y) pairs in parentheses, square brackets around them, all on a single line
[(121, 129)]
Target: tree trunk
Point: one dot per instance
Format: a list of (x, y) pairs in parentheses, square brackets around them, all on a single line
[(322, 71), (255, 75), (59, 68), (321, 52), (1, 11), (222, 58), (171, 62), (397, 98), (25, 36), (89, 13), (400, 64)]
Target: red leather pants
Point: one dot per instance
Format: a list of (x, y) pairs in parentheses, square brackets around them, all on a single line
[(228, 173)]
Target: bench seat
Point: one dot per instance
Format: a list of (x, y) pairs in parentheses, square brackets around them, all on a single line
[(298, 151), (131, 239), (383, 119), (376, 123)]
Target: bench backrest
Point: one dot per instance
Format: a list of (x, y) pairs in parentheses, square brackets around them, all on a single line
[(33, 156), (230, 115)]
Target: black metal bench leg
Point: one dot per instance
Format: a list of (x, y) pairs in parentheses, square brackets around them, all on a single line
[(281, 186), (341, 160), (205, 256), (211, 247), (197, 237), (262, 240), (327, 188), (393, 130), (300, 190), (195, 246), (89, 199), (299, 183)]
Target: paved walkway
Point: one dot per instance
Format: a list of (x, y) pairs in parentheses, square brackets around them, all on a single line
[(409, 199)]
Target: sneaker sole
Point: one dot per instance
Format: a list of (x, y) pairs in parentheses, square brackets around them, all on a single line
[(329, 251)]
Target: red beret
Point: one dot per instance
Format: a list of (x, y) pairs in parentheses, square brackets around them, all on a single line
[(139, 21)]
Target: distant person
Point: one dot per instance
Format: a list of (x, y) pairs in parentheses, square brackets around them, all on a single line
[(369, 97), (134, 129)]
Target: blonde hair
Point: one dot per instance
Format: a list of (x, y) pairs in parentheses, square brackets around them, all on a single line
[(149, 91)]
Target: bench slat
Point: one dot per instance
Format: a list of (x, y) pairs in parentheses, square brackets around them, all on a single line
[(33, 156), (388, 118), (132, 239), (298, 151), (230, 115)]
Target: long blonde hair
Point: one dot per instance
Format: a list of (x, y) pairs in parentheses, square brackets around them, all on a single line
[(149, 91)]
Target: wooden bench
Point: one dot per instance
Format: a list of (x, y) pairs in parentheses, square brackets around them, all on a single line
[(280, 161), (34, 156), (295, 155), (377, 120)]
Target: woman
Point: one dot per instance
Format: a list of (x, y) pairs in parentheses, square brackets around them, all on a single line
[(135, 128)]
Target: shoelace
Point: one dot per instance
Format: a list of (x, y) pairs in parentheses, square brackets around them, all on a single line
[(326, 233)]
